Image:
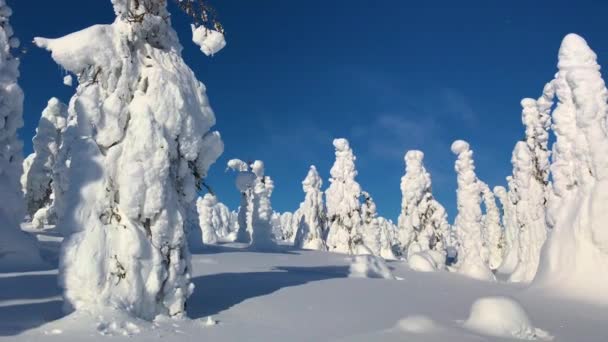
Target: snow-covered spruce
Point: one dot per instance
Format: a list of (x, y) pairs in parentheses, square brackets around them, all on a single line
[(531, 179), (215, 222), (208, 220), (16, 248), (511, 229), (575, 259), (422, 224), (468, 223), (289, 225), (370, 228), (313, 221), (141, 143), (37, 179), (255, 212), (343, 206), (492, 229)]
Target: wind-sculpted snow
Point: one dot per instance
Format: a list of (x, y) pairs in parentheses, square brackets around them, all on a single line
[(139, 144), (468, 222), (575, 259)]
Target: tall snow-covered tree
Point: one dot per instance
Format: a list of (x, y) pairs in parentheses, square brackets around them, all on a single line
[(531, 178), (575, 260), (492, 229), (422, 224), (208, 219), (16, 248), (245, 181), (142, 122), (309, 234), (343, 205), (468, 223), (37, 180)]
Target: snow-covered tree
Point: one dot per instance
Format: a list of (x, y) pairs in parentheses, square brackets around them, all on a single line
[(511, 229), (309, 234), (255, 212), (16, 248), (531, 178), (422, 224), (37, 180), (575, 259), (208, 219), (343, 206), (468, 223), (492, 229), (370, 230), (388, 231), (141, 144)]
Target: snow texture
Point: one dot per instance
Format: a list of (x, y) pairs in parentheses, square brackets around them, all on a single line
[(468, 222), (16, 248), (313, 220), (343, 205), (140, 144), (575, 259)]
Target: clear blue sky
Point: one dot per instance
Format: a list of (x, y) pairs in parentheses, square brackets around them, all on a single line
[(388, 75)]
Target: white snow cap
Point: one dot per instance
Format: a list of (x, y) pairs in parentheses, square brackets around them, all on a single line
[(210, 41), (574, 52), (460, 146)]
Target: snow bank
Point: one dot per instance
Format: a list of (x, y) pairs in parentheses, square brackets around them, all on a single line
[(369, 266), (502, 317), (210, 41)]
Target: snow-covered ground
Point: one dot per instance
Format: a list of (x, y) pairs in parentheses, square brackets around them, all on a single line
[(294, 295)]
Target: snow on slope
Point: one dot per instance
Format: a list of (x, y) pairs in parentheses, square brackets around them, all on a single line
[(256, 296)]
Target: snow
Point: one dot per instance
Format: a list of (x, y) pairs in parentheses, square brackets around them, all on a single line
[(502, 317), (210, 41), (68, 80), (312, 224), (259, 295)]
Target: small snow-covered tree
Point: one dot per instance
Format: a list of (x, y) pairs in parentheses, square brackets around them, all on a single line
[(343, 206), (575, 259), (140, 146), (422, 224), (208, 218), (38, 176), (468, 223), (531, 178), (492, 229), (370, 230), (16, 248), (309, 234), (511, 229), (387, 238), (255, 212)]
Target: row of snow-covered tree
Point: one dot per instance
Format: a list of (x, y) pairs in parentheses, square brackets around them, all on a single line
[(117, 170)]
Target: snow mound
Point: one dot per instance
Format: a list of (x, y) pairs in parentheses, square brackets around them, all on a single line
[(210, 41), (417, 324), (426, 261), (369, 266), (503, 317)]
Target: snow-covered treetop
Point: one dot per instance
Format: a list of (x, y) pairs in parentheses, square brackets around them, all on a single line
[(574, 52), (460, 146), (257, 167), (416, 180), (343, 192), (237, 165), (344, 167), (312, 181)]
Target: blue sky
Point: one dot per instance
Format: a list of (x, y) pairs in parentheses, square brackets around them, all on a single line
[(388, 75)]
